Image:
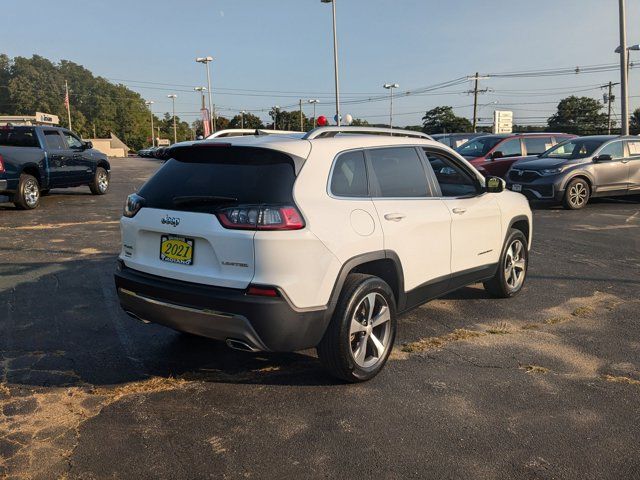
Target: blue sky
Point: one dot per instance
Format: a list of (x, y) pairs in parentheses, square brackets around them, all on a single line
[(285, 46)]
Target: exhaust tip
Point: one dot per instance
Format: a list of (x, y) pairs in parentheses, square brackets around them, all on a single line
[(241, 345)]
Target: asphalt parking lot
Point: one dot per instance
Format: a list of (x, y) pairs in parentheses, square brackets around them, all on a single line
[(545, 385)]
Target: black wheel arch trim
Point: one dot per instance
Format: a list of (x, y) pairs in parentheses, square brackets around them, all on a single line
[(362, 259), (520, 218)]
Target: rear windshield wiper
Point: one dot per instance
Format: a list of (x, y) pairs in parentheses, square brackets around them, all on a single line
[(203, 200)]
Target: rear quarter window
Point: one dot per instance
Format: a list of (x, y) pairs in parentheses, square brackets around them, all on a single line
[(349, 177), (18, 137)]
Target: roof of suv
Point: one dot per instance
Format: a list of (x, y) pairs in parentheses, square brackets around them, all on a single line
[(301, 147)]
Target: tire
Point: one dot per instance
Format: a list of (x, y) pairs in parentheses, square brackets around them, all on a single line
[(342, 351), (28, 195), (100, 183), (512, 268), (577, 194)]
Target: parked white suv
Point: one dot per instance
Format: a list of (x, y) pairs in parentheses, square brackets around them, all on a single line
[(277, 243)]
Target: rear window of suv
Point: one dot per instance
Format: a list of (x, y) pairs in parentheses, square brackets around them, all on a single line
[(18, 137), (218, 176)]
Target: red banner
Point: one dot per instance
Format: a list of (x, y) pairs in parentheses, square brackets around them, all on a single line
[(206, 122)]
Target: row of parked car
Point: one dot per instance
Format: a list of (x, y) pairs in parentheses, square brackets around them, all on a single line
[(555, 167)]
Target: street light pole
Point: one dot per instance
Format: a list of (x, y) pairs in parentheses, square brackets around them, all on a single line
[(335, 59), (390, 87), (624, 101), (206, 61), (173, 97), (148, 103), (313, 101), (202, 90), (275, 116), (242, 112)]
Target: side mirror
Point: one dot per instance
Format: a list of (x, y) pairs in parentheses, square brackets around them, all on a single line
[(87, 145), (495, 185), (496, 154), (603, 158)]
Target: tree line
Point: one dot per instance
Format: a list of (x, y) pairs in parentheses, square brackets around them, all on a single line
[(576, 115)]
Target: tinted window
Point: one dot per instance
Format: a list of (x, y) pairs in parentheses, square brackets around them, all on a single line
[(18, 137), (349, 177), (453, 180), (573, 149), (615, 149), (54, 140), (72, 140), (241, 175), (398, 172), (537, 145), (510, 148), (478, 147)]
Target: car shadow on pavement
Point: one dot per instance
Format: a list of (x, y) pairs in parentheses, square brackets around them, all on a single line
[(62, 326)]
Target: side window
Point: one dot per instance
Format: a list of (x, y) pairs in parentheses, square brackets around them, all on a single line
[(72, 140), (453, 180), (615, 149), (537, 145), (349, 178), (398, 172), (634, 148), (510, 148), (54, 140)]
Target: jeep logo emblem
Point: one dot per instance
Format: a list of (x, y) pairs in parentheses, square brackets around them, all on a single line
[(167, 220)]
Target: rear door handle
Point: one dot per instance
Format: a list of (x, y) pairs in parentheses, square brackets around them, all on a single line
[(394, 217), (459, 211)]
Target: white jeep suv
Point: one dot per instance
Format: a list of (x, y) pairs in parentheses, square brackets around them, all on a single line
[(275, 243)]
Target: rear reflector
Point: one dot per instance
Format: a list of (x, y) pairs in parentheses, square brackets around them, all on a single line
[(262, 291)]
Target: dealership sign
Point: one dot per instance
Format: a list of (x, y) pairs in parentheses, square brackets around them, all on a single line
[(502, 121)]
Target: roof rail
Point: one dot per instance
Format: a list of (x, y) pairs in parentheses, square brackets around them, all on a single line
[(328, 132)]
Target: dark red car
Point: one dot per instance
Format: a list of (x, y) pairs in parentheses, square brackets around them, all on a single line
[(494, 154)]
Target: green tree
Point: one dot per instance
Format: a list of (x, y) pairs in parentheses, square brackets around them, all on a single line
[(634, 125), (359, 122), (250, 121), (580, 116), (443, 120)]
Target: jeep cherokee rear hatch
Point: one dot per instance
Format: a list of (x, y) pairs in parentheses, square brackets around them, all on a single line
[(196, 218)]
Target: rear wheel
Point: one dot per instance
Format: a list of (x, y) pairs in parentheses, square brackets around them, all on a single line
[(28, 195), (360, 337), (100, 184), (576, 194), (512, 270)]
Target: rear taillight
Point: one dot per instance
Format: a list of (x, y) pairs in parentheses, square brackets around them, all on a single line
[(133, 205), (1, 164), (260, 217)]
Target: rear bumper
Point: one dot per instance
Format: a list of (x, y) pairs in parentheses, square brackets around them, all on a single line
[(264, 323)]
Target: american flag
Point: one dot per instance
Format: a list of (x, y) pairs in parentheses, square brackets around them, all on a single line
[(66, 99)]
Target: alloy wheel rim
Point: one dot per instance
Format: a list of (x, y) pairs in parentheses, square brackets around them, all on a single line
[(31, 193), (578, 194), (515, 265), (370, 330), (103, 181)]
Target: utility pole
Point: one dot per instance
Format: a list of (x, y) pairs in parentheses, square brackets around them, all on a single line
[(624, 101), (609, 98), (301, 121), (475, 92)]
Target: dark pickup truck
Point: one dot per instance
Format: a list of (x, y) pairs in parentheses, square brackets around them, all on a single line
[(35, 159)]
